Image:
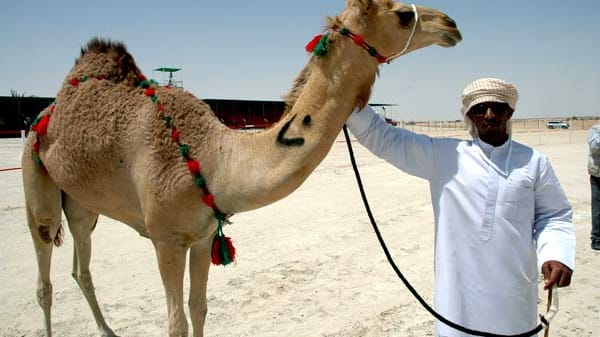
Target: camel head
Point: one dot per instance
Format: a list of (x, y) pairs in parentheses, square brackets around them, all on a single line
[(386, 29), (394, 28)]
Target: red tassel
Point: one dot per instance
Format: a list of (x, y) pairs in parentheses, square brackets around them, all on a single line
[(217, 256), (149, 92), (310, 46), (74, 82), (36, 146), (160, 107), (358, 39), (42, 125), (142, 77), (52, 108), (194, 166), (209, 200), (175, 136)]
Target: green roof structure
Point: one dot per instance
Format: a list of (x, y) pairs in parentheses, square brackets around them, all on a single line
[(171, 82), (167, 69)]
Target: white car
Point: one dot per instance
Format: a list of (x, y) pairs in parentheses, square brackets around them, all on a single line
[(557, 125)]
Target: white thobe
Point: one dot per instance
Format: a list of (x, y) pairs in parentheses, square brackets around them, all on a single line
[(498, 211)]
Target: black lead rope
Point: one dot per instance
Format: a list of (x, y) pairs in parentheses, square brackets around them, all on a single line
[(439, 317)]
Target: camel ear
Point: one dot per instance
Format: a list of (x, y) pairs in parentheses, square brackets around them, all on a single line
[(362, 6)]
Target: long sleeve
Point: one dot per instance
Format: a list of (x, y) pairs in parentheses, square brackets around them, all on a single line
[(554, 232), (594, 151), (410, 152), (594, 139)]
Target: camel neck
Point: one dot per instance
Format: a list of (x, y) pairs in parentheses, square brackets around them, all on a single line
[(278, 160)]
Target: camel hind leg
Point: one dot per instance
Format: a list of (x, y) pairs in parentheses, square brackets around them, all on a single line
[(81, 224), (43, 208), (43, 252)]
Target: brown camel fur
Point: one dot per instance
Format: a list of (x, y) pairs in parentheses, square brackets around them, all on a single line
[(107, 151)]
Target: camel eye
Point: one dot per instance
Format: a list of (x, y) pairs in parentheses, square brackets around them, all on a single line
[(406, 17)]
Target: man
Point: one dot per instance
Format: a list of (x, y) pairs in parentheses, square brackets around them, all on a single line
[(594, 170), (499, 212)]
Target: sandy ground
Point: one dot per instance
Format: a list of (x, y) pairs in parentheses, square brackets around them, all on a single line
[(308, 265)]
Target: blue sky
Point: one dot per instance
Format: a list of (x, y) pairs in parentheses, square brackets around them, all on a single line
[(254, 49)]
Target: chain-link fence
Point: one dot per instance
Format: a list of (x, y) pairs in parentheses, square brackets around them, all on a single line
[(528, 131)]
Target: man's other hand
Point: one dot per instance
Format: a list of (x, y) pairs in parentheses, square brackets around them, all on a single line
[(556, 273)]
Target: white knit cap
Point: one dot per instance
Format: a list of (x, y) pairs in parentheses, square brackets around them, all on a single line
[(487, 90)]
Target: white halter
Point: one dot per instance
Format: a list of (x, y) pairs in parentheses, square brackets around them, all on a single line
[(410, 37)]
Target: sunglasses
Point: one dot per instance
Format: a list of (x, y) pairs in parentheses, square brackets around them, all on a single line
[(481, 108)]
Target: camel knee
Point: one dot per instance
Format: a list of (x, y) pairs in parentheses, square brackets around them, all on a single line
[(44, 295), (198, 308), (84, 280), (197, 304)]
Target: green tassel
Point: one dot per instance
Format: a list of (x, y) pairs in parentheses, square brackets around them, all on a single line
[(220, 216), (184, 149), (154, 98), (224, 251), (168, 121), (372, 51), (145, 84), (322, 47), (200, 181), (226, 257)]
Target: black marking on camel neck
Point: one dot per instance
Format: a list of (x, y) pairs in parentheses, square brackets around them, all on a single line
[(306, 121), (289, 141)]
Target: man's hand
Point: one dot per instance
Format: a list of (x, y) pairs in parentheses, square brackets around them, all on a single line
[(556, 273)]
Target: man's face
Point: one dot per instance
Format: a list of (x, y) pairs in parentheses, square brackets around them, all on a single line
[(490, 120)]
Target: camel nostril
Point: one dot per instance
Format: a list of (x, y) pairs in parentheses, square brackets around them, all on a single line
[(450, 23)]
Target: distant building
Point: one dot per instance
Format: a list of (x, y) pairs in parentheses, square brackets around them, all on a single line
[(246, 114), (17, 113)]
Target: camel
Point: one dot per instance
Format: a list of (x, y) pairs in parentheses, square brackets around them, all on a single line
[(158, 160)]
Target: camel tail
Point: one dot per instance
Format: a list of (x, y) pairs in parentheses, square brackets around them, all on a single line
[(58, 238), (106, 59)]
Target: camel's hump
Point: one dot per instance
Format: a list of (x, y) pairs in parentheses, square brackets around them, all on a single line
[(104, 58), (100, 45)]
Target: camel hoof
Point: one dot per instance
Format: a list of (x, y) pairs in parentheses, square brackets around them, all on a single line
[(109, 333)]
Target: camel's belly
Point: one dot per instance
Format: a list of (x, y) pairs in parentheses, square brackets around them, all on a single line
[(118, 206), (105, 190)]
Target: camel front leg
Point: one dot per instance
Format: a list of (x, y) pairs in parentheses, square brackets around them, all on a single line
[(199, 266), (171, 263)]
